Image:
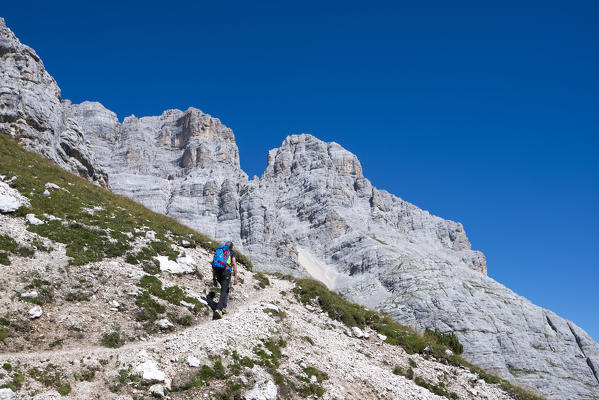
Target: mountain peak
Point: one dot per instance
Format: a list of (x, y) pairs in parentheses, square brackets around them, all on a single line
[(305, 153)]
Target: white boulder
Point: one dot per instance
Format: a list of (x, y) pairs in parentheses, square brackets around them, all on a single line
[(183, 265), (7, 394), (357, 332), (33, 220), (382, 337), (193, 362), (30, 295), (448, 353), (262, 392), (35, 312), (186, 304), (157, 390), (164, 324), (272, 307), (11, 199), (150, 373)]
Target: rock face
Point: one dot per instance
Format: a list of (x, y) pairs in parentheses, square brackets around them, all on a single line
[(311, 213), (31, 110)]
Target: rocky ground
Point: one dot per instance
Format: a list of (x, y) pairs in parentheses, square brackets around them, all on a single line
[(61, 350)]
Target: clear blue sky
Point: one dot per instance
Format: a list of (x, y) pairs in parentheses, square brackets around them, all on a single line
[(486, 113)]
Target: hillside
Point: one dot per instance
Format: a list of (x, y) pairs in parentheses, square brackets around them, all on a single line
[(90, 311)]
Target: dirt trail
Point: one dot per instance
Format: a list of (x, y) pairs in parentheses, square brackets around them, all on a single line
[(237, 306)]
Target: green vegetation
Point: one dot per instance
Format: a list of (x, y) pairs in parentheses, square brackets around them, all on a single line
[(262, 280), (9, 246), (409, 373), (3, 333), (448, 339), (96, 223), (77, 295), (45, 292), (172, 294), (438, 389), (280, 314), (150, 308), (52, 376), (112, 339), (308, 339), (239, 362)]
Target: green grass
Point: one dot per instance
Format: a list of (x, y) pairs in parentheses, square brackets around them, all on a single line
[(112, 339), (9, 246), (173, 294), (3, 333), (448, 339), (262, 280), (150, 308), (308, 339), (88, 237)]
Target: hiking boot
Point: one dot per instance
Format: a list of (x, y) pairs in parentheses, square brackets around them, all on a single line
[(218, 314), (224, 311)]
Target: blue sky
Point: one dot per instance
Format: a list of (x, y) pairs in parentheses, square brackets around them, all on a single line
[(487, 114)]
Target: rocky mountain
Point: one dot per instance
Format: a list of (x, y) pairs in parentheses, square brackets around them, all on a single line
[(312, 213), (101, 298)]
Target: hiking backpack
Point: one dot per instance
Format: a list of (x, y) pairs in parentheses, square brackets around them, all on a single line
[(222, 257)]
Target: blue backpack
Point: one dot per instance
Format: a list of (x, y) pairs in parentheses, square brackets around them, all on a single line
[(222, 257)]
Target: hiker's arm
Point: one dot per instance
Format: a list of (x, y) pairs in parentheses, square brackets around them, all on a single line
[(235, 271)]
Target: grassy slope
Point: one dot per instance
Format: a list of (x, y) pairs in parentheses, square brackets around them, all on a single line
[(431, 343), (120, 218)]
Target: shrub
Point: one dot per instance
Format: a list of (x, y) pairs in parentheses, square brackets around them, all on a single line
[(448, 339), (112, 339)]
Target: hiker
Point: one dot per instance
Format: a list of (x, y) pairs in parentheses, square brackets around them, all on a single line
[(224, 258)]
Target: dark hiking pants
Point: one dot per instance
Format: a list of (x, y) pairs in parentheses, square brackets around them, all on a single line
[(223, 276)]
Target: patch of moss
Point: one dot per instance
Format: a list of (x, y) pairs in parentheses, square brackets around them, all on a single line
[(240, 362), (3, 334)]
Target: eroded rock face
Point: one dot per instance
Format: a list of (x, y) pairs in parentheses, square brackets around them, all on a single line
[(311, 213), (31, 110)]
